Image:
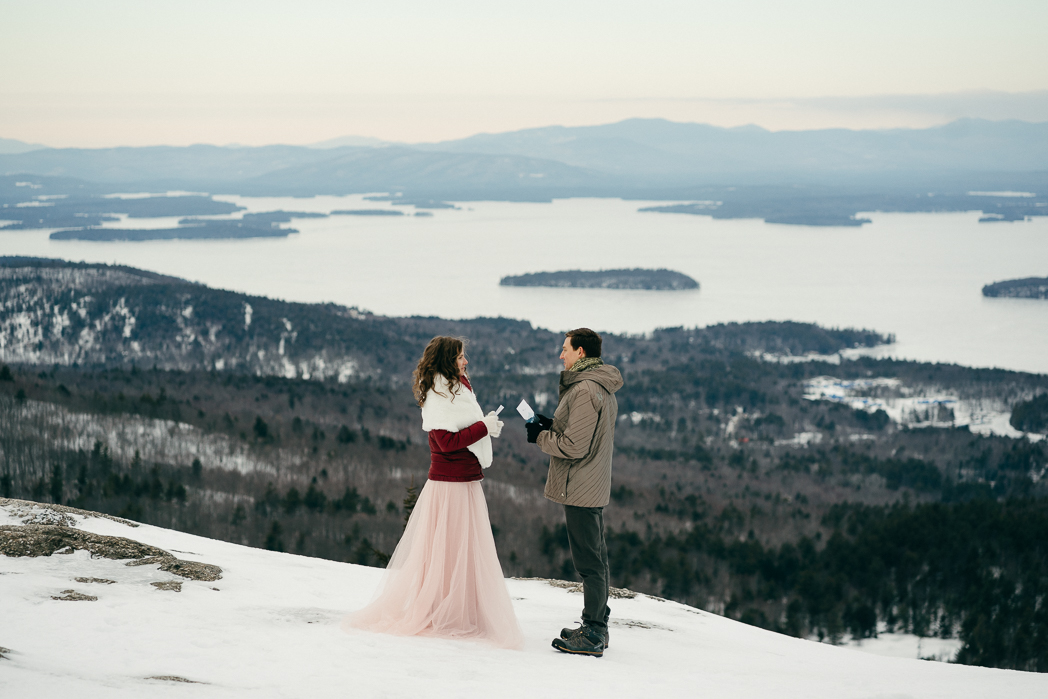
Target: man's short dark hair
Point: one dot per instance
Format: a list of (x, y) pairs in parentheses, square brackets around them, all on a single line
[(585, 338)]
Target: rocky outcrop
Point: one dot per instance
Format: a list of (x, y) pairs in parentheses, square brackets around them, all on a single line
[(613, 592), (30, 512), (74, 596), (173, 678), (169, 585), (48, 539)]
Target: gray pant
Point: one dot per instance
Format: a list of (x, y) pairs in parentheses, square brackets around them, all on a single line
[(589, 554)]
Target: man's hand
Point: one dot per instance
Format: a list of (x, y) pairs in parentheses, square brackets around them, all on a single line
[(541, 423)]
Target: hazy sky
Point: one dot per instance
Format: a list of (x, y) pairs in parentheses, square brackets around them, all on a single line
[(109, 72)]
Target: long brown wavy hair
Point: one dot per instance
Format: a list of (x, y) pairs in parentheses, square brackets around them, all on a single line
[(439, 357)]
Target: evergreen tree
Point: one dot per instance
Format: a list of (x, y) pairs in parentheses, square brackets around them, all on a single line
[(1031, 415), (314, 499), (349, 501), (292, 501), (273, 540)]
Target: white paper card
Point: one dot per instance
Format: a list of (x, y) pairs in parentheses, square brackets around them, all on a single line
[(525, 410)]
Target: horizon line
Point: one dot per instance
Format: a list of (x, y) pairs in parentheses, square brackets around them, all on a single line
[(382, 143)]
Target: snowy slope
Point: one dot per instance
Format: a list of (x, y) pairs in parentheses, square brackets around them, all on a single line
[(270, 628)]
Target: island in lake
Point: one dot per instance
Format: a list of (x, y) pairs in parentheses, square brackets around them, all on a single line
[(1029, 288), (213, 230), (258, 225), (790, 211), (650, 279), (367, 212)]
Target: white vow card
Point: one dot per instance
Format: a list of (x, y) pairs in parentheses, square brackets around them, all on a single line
[(525, 410)]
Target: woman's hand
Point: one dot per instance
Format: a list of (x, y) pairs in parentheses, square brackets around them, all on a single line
[(494, 425)]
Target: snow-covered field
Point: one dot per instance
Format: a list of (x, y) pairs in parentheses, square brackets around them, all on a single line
[(270, 628)]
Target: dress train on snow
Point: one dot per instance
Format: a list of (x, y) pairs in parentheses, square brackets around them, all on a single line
[(444, 579)]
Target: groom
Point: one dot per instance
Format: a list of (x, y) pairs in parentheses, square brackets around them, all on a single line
[(579, 440)]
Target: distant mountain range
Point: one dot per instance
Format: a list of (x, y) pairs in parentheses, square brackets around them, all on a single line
[(673, 152), (9, 145), (824, 177), (300, 170), (632, 155)]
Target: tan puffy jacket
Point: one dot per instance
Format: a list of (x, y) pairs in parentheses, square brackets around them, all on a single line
[(581, 441)]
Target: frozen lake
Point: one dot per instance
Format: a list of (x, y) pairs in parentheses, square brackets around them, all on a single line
[(916, 275)]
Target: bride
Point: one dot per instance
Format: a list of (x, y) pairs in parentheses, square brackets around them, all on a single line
[(444, 579)]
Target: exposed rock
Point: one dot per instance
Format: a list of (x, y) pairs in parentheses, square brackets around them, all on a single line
[(74, 596), (613, 592), (4, 652), (630, 623), (621, 593), (636, 624), (101, 581), (46, 516), (37, 513), (169, 585), (173, 678), (44, 540), (186, 569)]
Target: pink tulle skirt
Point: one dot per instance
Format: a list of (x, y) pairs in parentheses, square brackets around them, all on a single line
[(444, 579)]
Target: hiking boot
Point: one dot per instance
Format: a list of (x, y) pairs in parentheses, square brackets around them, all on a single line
[(584, 640), (566, 633)]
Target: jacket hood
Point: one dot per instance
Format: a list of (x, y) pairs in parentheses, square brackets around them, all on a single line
[(607, 376)]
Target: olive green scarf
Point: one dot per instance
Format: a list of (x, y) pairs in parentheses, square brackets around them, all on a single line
[(586, 363)]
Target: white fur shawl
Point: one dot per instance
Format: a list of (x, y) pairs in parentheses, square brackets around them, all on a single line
[(440, 412)]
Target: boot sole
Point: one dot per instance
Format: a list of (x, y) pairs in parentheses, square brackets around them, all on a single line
[(591, 653)]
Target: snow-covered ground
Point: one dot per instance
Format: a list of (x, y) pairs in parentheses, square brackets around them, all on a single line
[(907, 645), (270, 628)]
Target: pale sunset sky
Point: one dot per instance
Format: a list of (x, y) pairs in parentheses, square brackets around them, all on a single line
[(121, 72)]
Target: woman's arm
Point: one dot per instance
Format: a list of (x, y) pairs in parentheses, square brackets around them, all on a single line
[(446, 441)]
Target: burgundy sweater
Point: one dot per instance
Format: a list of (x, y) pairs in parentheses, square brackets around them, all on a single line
[(450, 459)]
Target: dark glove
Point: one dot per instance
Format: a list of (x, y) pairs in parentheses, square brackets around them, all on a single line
[(533, 429), (546, 422)]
